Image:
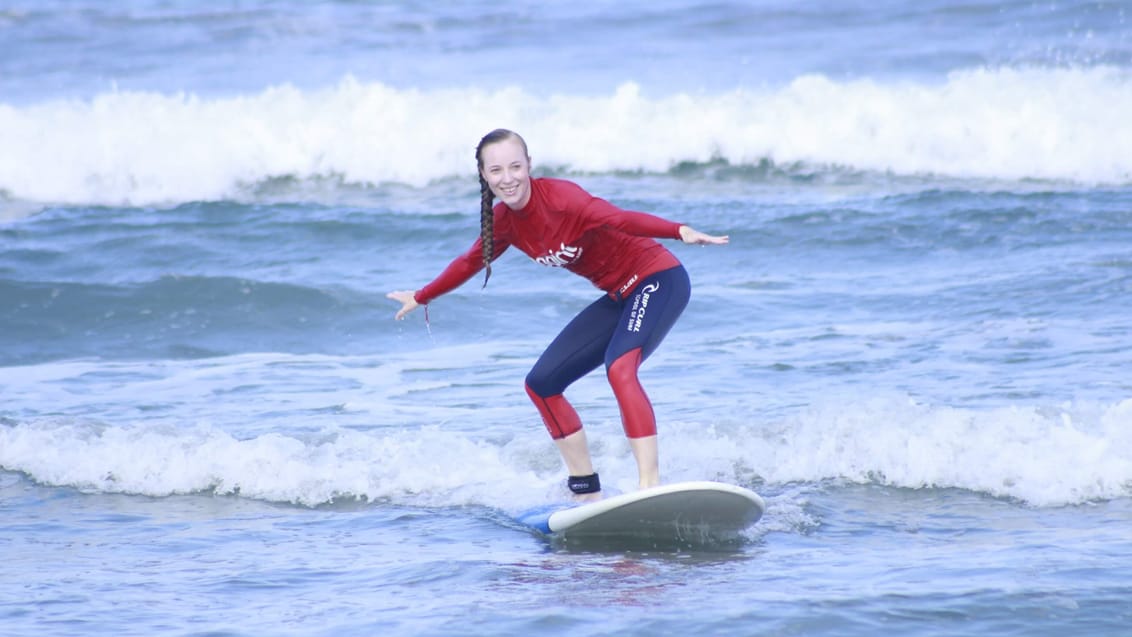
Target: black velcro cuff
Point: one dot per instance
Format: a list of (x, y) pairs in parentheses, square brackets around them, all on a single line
[(584, 484)]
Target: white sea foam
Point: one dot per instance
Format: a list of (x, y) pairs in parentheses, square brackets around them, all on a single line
[(1045, 457), (147, 148), (423, 467)]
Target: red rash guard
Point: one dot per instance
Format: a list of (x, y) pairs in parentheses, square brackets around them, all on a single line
[(564, 226)]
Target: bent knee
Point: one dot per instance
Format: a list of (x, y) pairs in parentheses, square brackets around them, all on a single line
[(624, 368), (540, 385)]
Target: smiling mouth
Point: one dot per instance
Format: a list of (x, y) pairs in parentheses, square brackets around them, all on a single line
[(509, 191)]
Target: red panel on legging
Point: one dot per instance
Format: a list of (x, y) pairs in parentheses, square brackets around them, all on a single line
[(557, 413), (636, 411)]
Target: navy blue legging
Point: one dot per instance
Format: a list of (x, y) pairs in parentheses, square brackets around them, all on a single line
[(619, 333)]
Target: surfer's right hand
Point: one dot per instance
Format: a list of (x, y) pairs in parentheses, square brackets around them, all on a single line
[(407, 300)]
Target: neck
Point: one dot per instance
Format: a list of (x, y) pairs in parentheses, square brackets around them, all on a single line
[(520, 205)]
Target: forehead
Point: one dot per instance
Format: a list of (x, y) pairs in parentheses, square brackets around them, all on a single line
[(504, 152)]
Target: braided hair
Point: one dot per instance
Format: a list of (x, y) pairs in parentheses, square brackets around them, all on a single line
[(487, 218), (487, 227)]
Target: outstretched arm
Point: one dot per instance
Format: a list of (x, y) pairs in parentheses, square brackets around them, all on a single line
[(456, 274), (688, 234), (600, 212)]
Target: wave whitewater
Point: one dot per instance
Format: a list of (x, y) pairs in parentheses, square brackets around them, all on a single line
[(1041, 456), (142, 148)]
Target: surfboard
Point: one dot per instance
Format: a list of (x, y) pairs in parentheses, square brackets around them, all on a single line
[(681, 514)]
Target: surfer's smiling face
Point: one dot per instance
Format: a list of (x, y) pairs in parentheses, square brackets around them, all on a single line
[(506, 168)]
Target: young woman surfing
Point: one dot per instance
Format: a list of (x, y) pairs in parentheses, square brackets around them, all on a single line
[(559, 224)]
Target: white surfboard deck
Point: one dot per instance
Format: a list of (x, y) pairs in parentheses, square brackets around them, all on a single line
[(681, 513)]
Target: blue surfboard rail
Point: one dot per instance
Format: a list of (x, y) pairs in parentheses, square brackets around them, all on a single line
[(538, 518)]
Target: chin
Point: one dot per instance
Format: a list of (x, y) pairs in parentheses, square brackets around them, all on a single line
[(514, 200)]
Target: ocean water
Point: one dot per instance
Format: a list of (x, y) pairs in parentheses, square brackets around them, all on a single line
[(917, 346)]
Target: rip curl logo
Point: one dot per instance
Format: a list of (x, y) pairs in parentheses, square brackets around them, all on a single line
[(640, 305), (628, 284), (565, 255)]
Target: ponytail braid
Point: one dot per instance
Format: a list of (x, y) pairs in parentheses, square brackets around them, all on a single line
[(487, 223), (487, 216)]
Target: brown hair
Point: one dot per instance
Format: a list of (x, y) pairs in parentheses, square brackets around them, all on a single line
[(487, 218)]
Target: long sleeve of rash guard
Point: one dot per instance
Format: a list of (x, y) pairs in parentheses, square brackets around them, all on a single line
[(456, 274), (640, 224)]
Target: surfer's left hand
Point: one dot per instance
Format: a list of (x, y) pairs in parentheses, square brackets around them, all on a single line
[(690, 235)]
